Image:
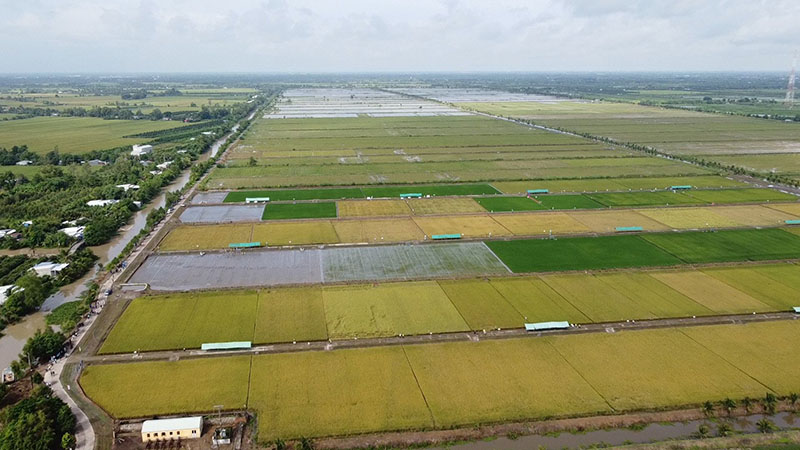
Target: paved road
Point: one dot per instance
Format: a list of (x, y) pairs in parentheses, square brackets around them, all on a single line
[(84, 433), (609, 327)]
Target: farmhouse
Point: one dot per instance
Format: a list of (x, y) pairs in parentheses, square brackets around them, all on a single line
[(73, 232), (7, 232), (172, 429), (24, 162), (97, 162), (139, 150), (164, 165), (126, 187), (48, 268), (101, 202)]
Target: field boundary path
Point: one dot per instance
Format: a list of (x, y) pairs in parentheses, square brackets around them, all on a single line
[(86, 435), (462, 336), (754, 181)]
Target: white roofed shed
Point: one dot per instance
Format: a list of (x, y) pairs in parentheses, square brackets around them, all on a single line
[(172, 429)]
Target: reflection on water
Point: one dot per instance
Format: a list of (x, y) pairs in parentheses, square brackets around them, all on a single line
[(655, 432), (15, 336)]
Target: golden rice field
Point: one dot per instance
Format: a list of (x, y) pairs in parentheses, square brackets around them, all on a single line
[(689, 218), (443, 385), (540, 223), (372, 208), (435, 206), (398, 229), (206, 237), (711, 292), (295, 233), (607, 221), (468, 226)]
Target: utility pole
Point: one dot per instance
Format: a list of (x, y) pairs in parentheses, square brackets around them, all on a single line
[(789, 100)]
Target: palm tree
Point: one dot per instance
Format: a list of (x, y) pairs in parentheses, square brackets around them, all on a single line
[(279, 444), (747, 402), (793, 397), (306, 444), (703, 431), (729, 404), (724, 429), (769, 403), (765, 425), (708, 408)]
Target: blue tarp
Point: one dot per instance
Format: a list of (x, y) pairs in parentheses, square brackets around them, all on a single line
[(539, 326), (226, 345)]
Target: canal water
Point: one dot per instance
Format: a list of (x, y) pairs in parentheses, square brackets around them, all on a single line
[(14, 337), (655, 432)]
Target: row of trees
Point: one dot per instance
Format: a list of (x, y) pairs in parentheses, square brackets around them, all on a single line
[(40, 422)]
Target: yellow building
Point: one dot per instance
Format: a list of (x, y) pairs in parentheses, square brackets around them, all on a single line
[(172, 429)]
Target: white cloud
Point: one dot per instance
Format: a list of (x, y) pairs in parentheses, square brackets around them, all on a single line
[(396, 35)]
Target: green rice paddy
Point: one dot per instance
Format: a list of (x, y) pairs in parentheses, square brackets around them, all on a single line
[(277, 211)]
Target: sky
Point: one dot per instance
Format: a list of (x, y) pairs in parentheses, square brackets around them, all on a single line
[(123, 36)]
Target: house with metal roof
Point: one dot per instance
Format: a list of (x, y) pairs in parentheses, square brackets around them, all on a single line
[(48, 268), (172, 429)]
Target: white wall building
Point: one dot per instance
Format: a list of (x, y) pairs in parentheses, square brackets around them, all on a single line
[(125, 187), (139, 150), (172, 429), (73, 232), (48, 268), (101, 202)]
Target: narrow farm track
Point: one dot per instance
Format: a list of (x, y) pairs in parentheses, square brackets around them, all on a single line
[(608, 327)]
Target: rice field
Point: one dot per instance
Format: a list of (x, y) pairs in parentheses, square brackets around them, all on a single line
[(378, 229), (160, 388), (295, 233), (761, 146), (356, 193), (206, 237), (467, 226), (441, 206), (682, 218), (75, 135), (275, 315), (442, 385), (339, 151), (649, 249), (281, 211), (373, 208), (390, 310), (543, 255), (732, 245), (617, 184)]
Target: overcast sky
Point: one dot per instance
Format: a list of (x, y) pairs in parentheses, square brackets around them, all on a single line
[(396, 35)]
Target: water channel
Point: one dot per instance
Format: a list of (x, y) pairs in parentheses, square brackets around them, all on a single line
[(655, 432), (14, 337)]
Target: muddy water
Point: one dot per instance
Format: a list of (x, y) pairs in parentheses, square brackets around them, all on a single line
[(14, 337), (217, 145), (618, 436)]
